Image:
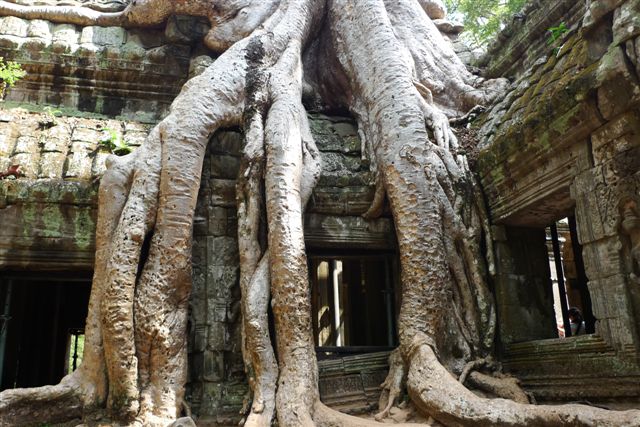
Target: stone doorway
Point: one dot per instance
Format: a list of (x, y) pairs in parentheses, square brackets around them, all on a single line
[(42, 318)]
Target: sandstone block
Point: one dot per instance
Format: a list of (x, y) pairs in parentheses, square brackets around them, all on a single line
[(40, 29), (103, 36), (12, 26)]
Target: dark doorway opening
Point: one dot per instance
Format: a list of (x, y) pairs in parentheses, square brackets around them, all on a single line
[(353, 302), (571, 293), (42, 319)]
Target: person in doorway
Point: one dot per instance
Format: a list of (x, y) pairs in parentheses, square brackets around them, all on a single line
[(576, 321)]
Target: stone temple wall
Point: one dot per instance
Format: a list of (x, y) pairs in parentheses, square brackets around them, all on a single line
[(526, 38), (566, 141)]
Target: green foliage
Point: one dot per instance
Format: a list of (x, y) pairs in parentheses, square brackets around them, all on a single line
[(483, 18), (556, 32), (79, 350), (10, 72), (114, 143), (50, 118)]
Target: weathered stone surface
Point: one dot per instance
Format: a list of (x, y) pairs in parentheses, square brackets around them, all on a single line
[(626, 21), (12, 26), (525, 39), (103, 36), (565, 141), (434, 8), (616, 137), (133, 74), (40, 29), (618, 89)]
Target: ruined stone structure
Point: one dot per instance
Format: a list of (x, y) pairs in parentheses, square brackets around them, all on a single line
[(564, 142)]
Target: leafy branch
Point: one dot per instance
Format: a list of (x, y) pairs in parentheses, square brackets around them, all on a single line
[(114, 142)]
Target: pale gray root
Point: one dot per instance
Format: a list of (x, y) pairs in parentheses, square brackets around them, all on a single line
[(377, 204), (506, 387), (393, 385), (472, 366), (231, 20), (42, 404), (435, 391), (136, 220), (286, 128), (63, 14), (327, 417), (454, 89), (259, 358)]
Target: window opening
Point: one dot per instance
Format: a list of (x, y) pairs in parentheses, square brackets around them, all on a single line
[(75, 349), (353, 303), (572, 301), (43, 316)]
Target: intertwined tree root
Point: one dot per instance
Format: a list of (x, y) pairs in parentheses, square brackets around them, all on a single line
[(386, 62)]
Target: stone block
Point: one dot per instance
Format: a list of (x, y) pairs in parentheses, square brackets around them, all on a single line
[(65, 38), (227, 142), (84, 147), (199, 64), (211, 397), (617, 136), (35, 46), (103, 36), (186, 29), (132, 51), (222, 251), (52, 165), (602, 258), (220, 281), (200, 337), (340, 163), (89, 50), (622, 165), (224, 166), (626, 21), (27, 144), (218, 220), (12, 26), (223, 192), (99, 162), (215, 343), (88, 135), (54, 144), (29, 163), (618, 90), (7, 142), (613, 309), (78, 165), (11, 42), (40, 29)]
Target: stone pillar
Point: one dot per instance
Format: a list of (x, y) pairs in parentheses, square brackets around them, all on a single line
[(216, 386), (603, 194)]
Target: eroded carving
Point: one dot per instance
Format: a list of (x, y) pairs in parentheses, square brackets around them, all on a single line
[(630, 224)]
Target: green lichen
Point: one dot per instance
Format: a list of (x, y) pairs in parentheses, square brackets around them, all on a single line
[(29, 220), (52, 221), (84, 228)]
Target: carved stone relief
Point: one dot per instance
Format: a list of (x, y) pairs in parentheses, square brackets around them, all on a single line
[(630, 223)]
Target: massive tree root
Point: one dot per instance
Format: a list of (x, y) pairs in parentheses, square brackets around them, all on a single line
[(387, 63)]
